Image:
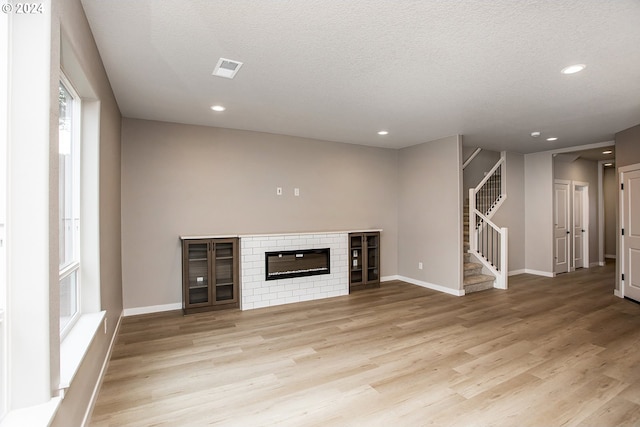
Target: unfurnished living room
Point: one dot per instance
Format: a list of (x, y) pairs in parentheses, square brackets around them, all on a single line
[(319, 213)]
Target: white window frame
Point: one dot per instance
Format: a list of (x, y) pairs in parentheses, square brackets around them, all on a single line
[(4, 133), (74, 267)]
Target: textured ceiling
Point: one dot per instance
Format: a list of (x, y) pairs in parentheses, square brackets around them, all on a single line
[(341, 71)]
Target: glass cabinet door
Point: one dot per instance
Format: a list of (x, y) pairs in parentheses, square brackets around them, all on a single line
[(198, 270), (356, 257), (224, 271), (372, 257)]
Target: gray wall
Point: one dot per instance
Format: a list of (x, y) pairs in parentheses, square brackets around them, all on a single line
[(584, 171), (610, 190), (477, 169), (193, 180), (74, 25), (538, 185), (430, 212), (511, 213), (628, 147)]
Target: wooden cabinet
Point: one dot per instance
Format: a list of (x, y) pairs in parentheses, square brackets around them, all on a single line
[(210, 274), (364, 261)]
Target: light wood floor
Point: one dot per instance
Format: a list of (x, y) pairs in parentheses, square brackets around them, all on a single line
[(547, 352)]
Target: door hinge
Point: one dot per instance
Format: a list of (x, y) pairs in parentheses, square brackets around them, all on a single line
[(623, 231), (622, 186), (623, 277)]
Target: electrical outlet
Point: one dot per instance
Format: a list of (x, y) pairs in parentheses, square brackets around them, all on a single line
[(419, 266), (296, 192), (279, 191)]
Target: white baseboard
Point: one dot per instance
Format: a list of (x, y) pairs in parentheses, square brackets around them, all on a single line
[(151, 309), (617, 293), (612, 256), (389, 278), (539, 273), (105, 364), (516, 272), (456, 292)]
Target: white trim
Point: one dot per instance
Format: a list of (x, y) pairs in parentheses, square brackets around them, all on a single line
[(601, 254), (621, 249), (617, 293), (611, 256), (37, 415), (389, 278), (75, 345), (516, 272), (439, 288), (539, 272), (103, 371), (152, 309)]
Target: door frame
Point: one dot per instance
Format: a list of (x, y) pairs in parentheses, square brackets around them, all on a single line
[(620, 266), (585, 222), (568, 222)]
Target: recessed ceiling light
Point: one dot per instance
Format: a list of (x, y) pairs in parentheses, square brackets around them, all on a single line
[(607, 152), (383, 132), (553, 138), (218, 108), (535, 134), (572, 69), (608, 164)]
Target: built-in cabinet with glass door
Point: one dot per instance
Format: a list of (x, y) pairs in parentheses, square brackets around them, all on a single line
[(364, 257), (209, 274)]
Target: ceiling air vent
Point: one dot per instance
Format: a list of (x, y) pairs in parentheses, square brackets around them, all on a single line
[(227, 68)]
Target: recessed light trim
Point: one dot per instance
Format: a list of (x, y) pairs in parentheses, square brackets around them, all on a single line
[(218, 108), (383, 132), (552, 138), (535, 134), (607, 152), (572, 69), (608, 164)]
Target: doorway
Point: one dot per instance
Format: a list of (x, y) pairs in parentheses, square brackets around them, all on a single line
[(561, 228), (571, 225), (630, 236), (580, 225)]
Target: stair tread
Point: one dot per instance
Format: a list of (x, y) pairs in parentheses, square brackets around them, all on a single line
[(472, 265), (478, 278)]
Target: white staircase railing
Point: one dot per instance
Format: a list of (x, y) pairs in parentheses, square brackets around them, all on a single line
[(486, 240)]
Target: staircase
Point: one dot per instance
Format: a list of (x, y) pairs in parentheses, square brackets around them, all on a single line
[(474, 279)]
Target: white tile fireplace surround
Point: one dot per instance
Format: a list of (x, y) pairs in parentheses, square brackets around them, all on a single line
[(257, 292)]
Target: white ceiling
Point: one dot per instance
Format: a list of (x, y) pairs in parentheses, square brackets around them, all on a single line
[(342, 70)]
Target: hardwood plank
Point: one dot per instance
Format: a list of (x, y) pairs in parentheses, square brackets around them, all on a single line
[(548, 351)]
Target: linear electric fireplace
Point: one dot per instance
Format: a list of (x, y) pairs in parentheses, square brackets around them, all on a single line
[(300, 263)]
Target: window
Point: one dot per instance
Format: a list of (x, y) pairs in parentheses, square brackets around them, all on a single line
[(69, 203)]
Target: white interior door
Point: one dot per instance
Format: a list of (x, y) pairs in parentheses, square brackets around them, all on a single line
[(580, 226), (561, 227), (631, 237)]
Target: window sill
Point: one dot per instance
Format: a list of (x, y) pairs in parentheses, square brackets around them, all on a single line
[(38, 415), (72, 351), (76, 344)]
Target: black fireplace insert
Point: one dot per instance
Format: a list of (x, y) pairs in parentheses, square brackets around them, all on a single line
[(300, 263)]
